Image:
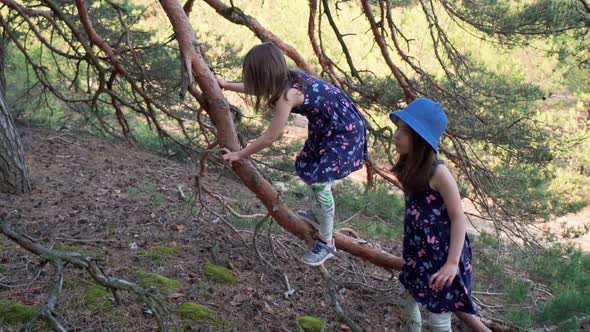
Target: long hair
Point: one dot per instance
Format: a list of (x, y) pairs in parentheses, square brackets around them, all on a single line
[(415, 168), (266, 76)]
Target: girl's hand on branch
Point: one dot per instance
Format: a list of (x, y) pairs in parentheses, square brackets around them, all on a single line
[(222, 83), (230, 156), (444, 277)]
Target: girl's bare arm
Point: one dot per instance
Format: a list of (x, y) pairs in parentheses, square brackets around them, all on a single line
[(443, 182), (232, 86), (235, 86), (277, 123)]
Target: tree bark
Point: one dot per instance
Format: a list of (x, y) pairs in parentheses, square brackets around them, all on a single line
[(2, 57), (14, 173)]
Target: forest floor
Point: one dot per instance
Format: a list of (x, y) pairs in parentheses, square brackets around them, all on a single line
[(124, 206)]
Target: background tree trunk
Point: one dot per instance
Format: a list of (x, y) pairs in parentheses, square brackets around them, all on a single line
[(14, 173), (2, 77)]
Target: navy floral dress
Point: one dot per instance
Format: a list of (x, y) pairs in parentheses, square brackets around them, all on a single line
[(336, 142), (427, 235)]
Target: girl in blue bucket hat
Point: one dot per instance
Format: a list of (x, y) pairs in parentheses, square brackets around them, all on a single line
[(437, 252)]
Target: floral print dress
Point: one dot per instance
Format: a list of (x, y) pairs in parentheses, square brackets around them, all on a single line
[(336, 142), (427, 235)]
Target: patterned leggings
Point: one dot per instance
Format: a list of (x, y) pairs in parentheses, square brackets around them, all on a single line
[(323, 208), (438, 322)]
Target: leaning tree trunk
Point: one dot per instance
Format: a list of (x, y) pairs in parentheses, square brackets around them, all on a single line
[(14, 173)]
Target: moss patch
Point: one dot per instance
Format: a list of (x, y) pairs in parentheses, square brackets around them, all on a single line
[(310, 323), (13, 312), (220, 274), (165, 285), (198, 312), (2, 268), (159, 252), (165, 251), (96, 294)]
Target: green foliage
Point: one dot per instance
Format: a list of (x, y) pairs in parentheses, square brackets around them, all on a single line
[(567, 304), (148, 139), (503, 18), (567, 271), (165, 285), (564, 267), (492, 269), (382, 216), (310, 323), (536, 200), (518, 290), (552, 28), (569, 190), (380, 230), (577, 79), (377, 201), (377, 91), (571, 326), (487, 239), (496, 125), (520, 317), (199, 313), (570, 130), (220, 274), (13, 312)]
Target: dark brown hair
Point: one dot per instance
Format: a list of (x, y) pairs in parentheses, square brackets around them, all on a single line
[(266, 76), (415, 169)]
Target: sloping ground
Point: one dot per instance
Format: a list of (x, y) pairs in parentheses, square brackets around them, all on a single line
[(124, 206)]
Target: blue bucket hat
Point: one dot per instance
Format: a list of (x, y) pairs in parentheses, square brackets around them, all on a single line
[(426, 117)]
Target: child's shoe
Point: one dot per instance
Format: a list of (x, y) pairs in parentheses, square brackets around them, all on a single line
[(320, 252)]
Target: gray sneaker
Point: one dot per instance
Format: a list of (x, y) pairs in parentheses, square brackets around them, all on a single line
[(320, 252)]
